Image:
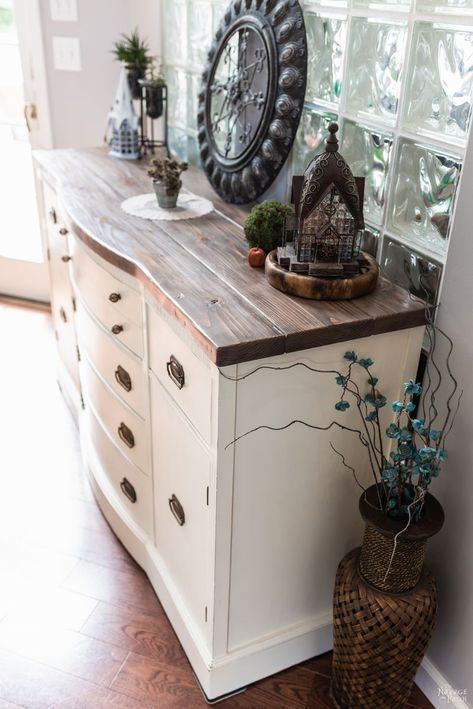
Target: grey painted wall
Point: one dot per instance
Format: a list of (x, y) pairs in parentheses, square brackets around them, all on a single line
[(80, 101)]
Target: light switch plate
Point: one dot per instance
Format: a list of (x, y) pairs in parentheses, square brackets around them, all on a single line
[(66, 53), (63, 10)]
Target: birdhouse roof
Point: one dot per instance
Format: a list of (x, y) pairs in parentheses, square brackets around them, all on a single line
[(327, 169)]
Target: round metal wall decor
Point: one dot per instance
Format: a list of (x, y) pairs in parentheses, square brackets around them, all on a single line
[(252, 95)]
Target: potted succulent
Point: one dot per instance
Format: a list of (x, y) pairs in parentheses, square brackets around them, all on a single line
[(385, 597), (154, 84), (165, 173), (133, 52), (264, 229)]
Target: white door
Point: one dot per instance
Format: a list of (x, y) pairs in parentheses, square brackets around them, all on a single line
[(24, 124)]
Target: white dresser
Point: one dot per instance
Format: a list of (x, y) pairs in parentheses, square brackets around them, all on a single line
[(240, 541)]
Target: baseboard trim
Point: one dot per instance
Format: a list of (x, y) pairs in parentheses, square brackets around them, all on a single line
[(25, 302), (437, 689)]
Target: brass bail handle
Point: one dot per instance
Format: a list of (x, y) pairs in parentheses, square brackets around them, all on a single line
[(29, 111)]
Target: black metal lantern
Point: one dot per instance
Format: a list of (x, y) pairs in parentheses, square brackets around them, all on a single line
[(323, 238)]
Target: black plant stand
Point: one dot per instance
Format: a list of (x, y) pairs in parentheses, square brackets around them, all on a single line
[(147, 141)]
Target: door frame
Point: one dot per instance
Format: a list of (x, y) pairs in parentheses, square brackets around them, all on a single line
[(25, 279), (29, 27)]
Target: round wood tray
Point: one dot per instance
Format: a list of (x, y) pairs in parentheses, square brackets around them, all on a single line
[(318, 288)]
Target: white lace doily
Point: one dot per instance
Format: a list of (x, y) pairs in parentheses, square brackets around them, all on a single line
[(189, 206)]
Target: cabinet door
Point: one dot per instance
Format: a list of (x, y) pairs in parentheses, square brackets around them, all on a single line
[(182, 520), (62, 304)]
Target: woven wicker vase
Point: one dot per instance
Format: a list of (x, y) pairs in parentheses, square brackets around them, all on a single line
[(384, 610)]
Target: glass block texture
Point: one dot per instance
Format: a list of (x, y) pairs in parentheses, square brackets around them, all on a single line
[(446, 6), (177, 92), (175, 34), (370, 240), (411, 270), (423, 195), (375, 61), (326, 37), (440, 81), (199, 21), (369, 155), (218, 12), (401, 5), (310, 138)]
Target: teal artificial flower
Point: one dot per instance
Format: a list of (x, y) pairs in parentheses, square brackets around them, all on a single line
[(417, 423), (410, 406), (435, 435), (412, 388), (442, 454), (350, 356), (373, 381), (342, 405), (393, 431), (341, 380), (405, 435), (427, 452), (367, 362), (371, 416), (377, 401), (397, 406)]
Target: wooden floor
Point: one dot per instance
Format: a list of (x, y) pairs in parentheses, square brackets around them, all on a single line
[(80, 625)]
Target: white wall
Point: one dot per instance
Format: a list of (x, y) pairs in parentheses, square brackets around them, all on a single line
[(451, 552), (80, 101)]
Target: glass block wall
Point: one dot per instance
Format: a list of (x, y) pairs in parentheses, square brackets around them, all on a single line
[(397, 75)]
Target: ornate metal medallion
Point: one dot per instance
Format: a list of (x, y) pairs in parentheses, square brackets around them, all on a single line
[(252, 96)]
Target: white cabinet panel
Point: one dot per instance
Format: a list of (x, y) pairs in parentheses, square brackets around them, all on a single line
[(133, 489), (168, 351), (113, 303), (182, 530), (122, 371), (124, 427)]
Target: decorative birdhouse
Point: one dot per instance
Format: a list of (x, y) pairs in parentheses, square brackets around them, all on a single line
[(122, 124), (323, 236)]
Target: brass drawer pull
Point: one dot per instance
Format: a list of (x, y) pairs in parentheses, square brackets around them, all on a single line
[(117, 329), (177, 510), (66, 258), (128, 490), (176, 372), (123, 378), (63, 231), (62, 313), (126, 435), (114, 297), (53, 215)]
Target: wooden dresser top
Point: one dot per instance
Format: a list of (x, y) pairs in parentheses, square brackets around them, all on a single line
[(197, 269)]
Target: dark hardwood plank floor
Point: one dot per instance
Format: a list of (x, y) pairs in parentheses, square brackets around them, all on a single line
[(80, 626)]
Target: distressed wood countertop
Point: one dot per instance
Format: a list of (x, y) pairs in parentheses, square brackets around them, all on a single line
[(197, 269)]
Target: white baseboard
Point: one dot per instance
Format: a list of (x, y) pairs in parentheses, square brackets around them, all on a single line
[(437, 690)]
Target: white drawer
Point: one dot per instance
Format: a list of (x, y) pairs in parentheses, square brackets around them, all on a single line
[(132, 488), (124, 427), (113, 362), (114, 303), (181, 473), (168, 356)]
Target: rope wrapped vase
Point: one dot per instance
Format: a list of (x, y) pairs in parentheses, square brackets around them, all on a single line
[(385, 602)]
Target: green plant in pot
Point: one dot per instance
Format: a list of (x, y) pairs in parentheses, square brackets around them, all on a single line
[(133, 52), (166, 176), (264, 229), (154, 84), (385, 597)]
